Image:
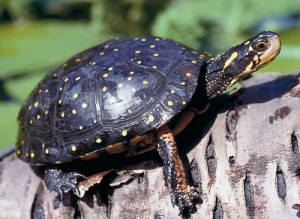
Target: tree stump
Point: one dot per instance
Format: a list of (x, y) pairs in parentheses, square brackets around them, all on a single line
[(243, 155)]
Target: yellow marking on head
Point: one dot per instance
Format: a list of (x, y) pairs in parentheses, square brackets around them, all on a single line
[(110, 68), (105, 75), (77, 79), (62, 115), (124, 133), (152, 46), (154, 66), (249, 67), (77, 60), (38, 116), (137, 51), (104, 89), (101, 53), (73, 148), (151, 118), (246, 43), (120, 85), (255, 58), (66, 79), (250, 48), (84, 105), (188, 74), (75, 95), (46, 112), (36, 104), (156, 54), (32, 155), (74, 111), (46, 151), (170, 103), (145, 82), (231, 58), (129, 78), (139, 62)]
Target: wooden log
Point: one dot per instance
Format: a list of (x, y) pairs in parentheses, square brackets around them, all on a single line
[(243, 155)]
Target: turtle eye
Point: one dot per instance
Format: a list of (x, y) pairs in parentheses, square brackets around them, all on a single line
[(261, 46)]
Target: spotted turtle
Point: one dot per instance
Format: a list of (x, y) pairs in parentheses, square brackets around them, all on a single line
[(129, 96)]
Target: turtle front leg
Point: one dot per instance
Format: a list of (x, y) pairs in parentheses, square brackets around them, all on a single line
[(58, 181), (182, 194)]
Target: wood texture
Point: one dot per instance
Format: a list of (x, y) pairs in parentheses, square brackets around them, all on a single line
[(244, 155)]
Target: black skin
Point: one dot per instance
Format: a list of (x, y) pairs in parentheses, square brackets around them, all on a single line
[(220, 73)]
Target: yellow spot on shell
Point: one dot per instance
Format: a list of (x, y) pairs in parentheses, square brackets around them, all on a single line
[(84, 105), (38, 116), (98, 140), (155, 67), (29, 108), (120, 85), (74, 111), (46, 112), (129, 111), (133, 90), (145, 82), (151, 118), (62, 115), (182, 83), (65, 65), (104, 89), (36, 104), (106, 46), (75, 95), (18, 152), (60, 89), (183, 102), (156, 54), (46, 151), (143, 40), (80, 127), (170, 103), (77, 79), (139, 62), (73, 148), (105, 75), (137, 51), (194, 62), (46, 91), (30, 121), (115, 50), (188, 74), (22, 142), (124, 133), (77, 60), (132, 72), (110, 68), (59, 101), (172, 91), (101, 53), (152, 46), (129, 78), (231, 58), (94, 121), (27, 155), (40, 91), (157, 39), (32, 155), (246, 43), (66, 79)]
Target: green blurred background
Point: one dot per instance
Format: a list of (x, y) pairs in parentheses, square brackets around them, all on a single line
[(38, 35)]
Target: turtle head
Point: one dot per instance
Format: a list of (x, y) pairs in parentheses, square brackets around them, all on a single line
[(227, 68)]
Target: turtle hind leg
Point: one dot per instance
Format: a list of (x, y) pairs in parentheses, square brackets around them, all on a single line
[(58, 181), (182, 194)]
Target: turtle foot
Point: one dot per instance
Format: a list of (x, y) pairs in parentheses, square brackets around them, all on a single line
[(60, 182), (185, 199)]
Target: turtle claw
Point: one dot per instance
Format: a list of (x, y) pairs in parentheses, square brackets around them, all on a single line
[(185, 199), (60, 182)]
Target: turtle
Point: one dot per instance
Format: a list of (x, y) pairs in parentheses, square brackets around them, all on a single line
[(128, 96)]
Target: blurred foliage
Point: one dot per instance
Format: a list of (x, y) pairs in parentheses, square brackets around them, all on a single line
[(38, 35)]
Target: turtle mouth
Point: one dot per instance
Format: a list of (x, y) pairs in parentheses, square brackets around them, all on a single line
[(272, 51)]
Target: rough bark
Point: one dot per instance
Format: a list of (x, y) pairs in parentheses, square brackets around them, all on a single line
[(243, 155)]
